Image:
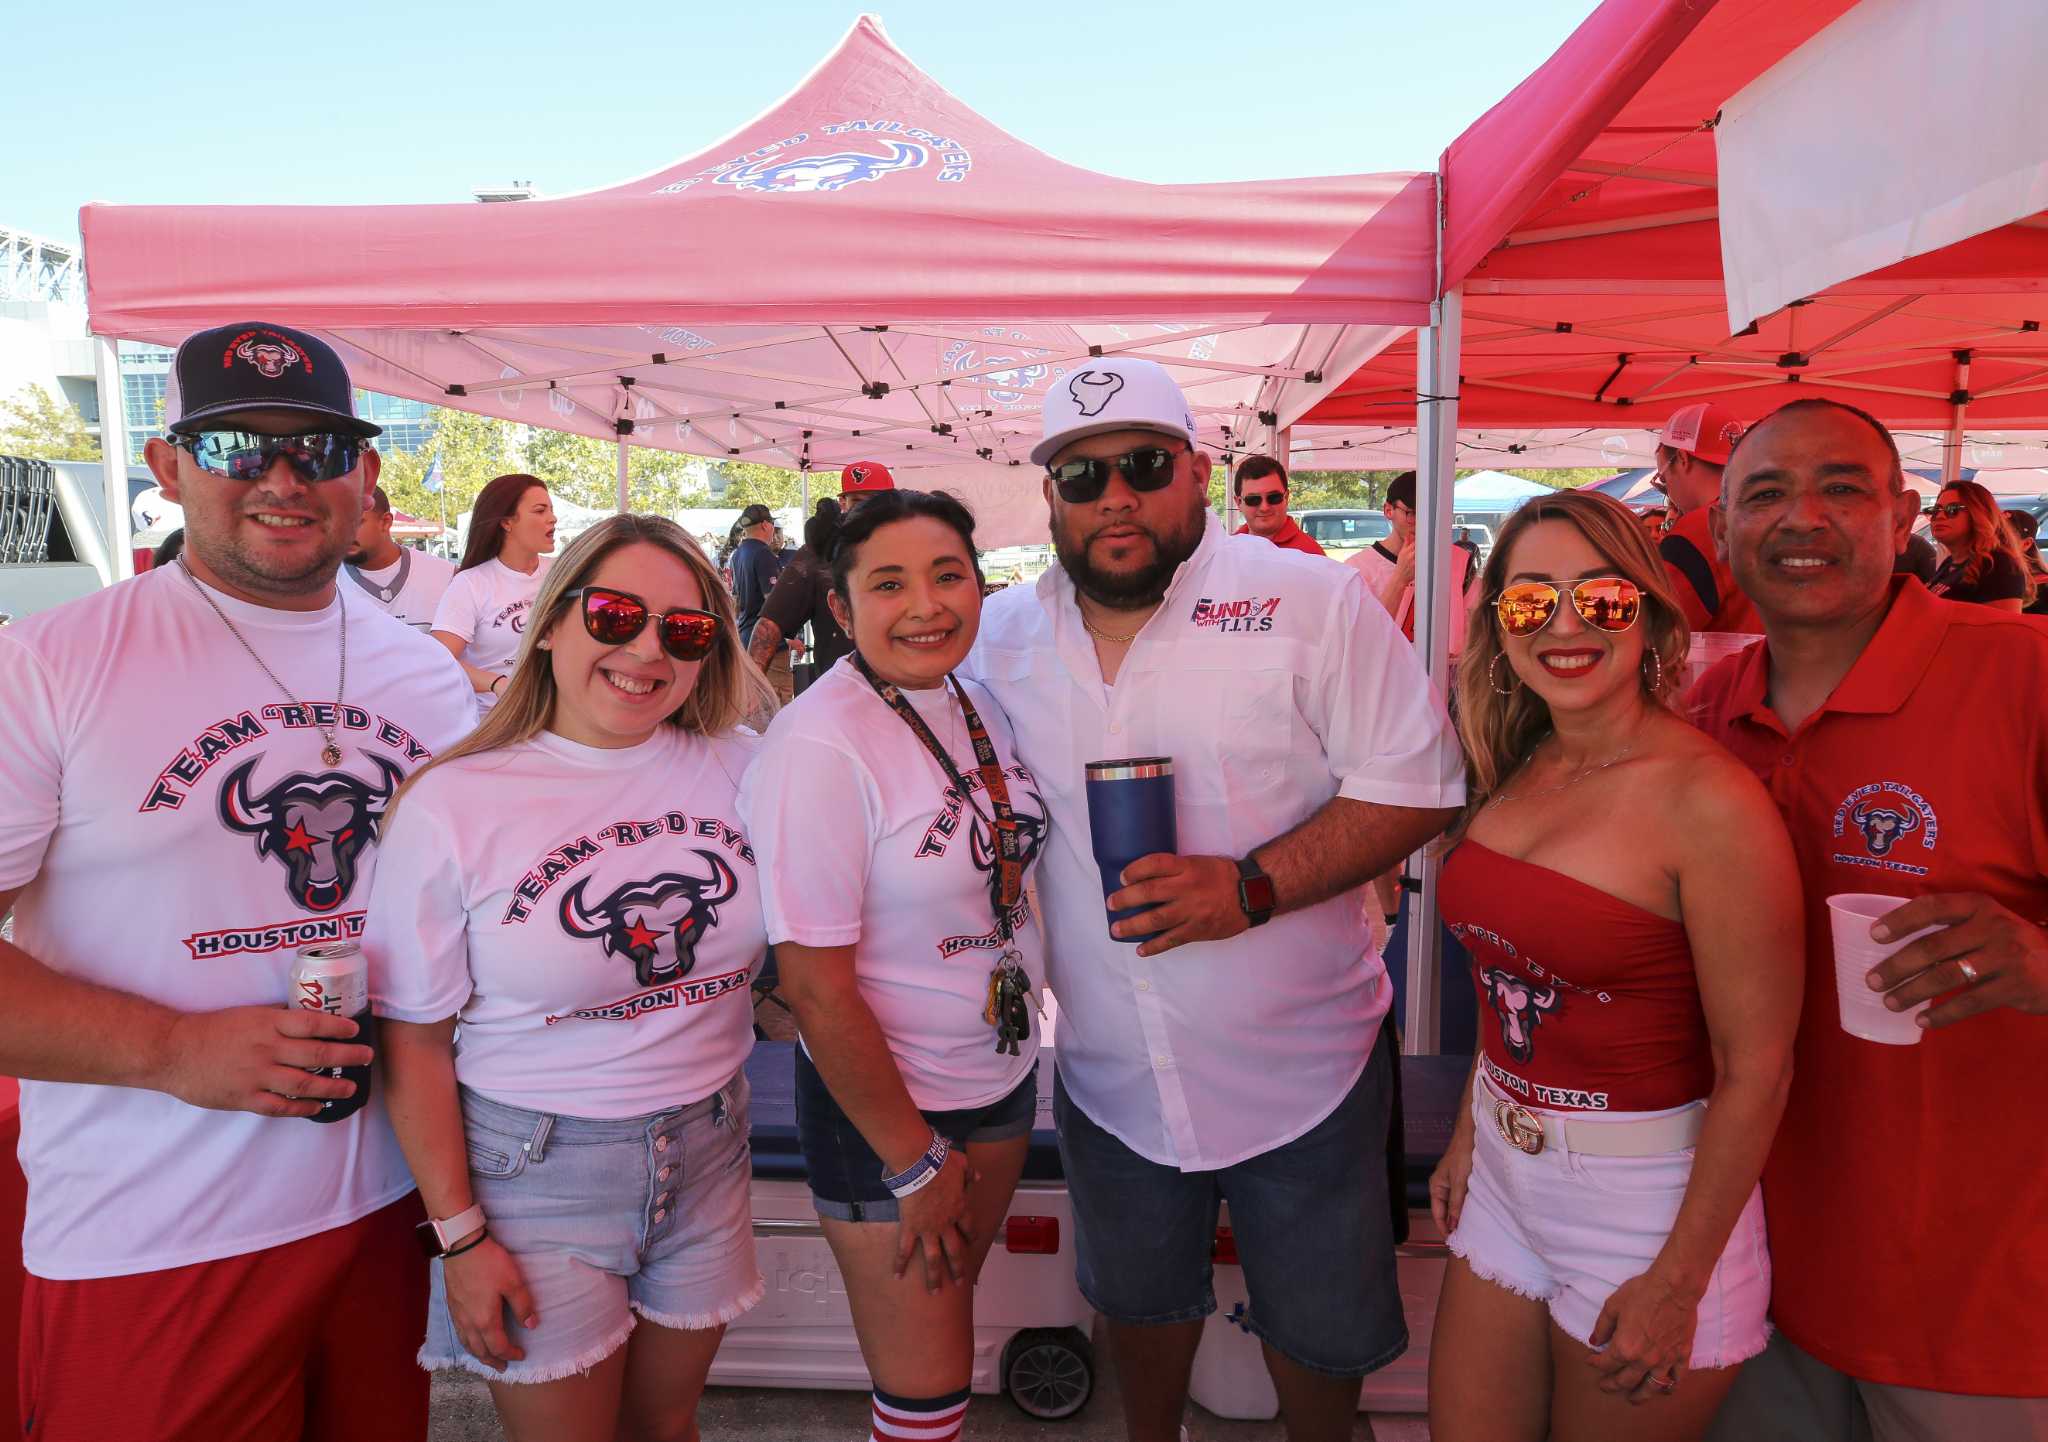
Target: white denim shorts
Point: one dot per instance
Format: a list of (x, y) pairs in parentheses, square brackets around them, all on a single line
[(647, 1218), (1566, 1229)]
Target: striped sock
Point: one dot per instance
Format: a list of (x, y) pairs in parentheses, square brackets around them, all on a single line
[(919, 1419)]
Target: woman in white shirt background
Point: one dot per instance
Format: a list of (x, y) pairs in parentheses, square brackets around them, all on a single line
[(895, 826), (575, 890), (483, 612)]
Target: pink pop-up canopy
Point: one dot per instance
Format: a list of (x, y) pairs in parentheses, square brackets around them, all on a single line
[(868, 270), (1584, 218)]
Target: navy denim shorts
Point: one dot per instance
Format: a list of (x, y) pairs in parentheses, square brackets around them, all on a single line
[(846, 1174), (1310, 1218)]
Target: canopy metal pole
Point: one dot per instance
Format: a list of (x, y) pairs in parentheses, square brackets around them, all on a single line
[(1437, 351), (114, 459), (623, 506), (805, 476), (1959, 408)]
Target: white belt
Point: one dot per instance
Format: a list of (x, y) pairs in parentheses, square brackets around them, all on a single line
[(1532, 1131)]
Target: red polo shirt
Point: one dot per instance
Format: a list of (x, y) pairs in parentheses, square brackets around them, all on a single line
[(1291, 536), (1907, 1192), (1706, 588)]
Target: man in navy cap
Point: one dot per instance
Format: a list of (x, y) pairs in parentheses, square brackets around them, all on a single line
[(193, 767)]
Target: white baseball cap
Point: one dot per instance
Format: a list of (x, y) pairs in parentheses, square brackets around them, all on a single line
[(1116, 393)]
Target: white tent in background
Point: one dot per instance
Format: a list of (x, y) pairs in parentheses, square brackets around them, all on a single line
[(1493, 491)]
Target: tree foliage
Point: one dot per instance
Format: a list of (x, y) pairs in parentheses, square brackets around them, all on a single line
[(35, 424)]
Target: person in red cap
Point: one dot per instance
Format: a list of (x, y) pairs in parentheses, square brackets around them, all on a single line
[(1691, 451), (1261, 487), (799, 596)]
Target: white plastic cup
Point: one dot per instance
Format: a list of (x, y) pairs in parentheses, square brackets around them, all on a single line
[(1862, 1010)]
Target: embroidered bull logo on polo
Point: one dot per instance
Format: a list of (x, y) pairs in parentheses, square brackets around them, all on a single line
[(272, 357), (633, 921), (314, 825), (1092, 390), (1883, 827), (1520, 1008)]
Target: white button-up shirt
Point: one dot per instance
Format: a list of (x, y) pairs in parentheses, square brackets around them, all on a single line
[(1275, 682)]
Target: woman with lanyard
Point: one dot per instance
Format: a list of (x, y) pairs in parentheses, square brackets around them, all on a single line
[(483, 613), (895, 827), (1631, 903), (573, 888)]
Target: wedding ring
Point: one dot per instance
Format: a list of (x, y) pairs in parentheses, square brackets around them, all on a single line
[(1969, 972), (1663, 1384)]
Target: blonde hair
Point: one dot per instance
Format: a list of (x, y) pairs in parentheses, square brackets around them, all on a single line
[(729, 688), (1989, 535), (1499, 731)]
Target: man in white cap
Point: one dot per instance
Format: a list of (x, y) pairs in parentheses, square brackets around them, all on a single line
[(1692, 450), (1309, 754)]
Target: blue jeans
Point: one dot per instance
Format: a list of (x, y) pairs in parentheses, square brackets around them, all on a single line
[(1311, 1220)]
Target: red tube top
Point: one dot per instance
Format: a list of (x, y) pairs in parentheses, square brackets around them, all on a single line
[(1586, 1003)]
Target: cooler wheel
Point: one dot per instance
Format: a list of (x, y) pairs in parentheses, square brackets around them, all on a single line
[(1049, 1372)]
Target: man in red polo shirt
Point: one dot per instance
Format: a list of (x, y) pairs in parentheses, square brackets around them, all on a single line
[(1907, 1193), (1260, 485), (1691, 450)]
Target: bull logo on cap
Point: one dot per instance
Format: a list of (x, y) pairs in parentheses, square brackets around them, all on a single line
[(1093, 390), (633, 921), (806, 173), (1883, 827), (271, 357), (317, 826), (1520, 1008)]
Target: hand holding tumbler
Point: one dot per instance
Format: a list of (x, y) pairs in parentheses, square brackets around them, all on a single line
[(1130, 814)]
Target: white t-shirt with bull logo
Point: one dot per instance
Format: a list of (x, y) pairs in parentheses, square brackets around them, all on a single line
[(592, 916), (864, 843), (487, 606), (175, 835)]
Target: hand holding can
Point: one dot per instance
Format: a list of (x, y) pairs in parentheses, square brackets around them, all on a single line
[(334, 977)]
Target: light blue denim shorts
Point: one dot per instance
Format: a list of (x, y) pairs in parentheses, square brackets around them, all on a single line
[(611, 1222)]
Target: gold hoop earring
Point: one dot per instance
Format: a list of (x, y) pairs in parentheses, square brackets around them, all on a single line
[(1493, 675), (1656, 677)]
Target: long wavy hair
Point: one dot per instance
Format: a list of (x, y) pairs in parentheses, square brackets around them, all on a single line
[(1499, 731), (1988, 534), (496, 504), (729, 689)]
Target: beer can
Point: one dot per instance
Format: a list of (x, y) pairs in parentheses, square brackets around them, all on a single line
[(331, 977)]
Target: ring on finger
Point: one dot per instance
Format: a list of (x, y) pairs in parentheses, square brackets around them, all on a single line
[(1664, 1384), (1970, 975)]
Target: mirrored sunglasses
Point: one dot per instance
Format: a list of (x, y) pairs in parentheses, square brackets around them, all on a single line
[(1606, 603), (615, 617), (248, 456), (1148, 468)]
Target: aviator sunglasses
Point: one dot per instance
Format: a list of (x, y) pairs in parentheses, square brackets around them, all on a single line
[(1606, 603), (615, 617), (248, 456), (1146, 469), (1951, 510)]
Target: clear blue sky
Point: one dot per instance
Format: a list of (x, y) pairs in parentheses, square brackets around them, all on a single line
[(377, 101)]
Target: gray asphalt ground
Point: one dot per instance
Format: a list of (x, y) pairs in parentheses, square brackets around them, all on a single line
[(462, 1413)]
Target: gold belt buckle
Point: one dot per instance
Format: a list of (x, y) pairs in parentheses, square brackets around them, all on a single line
[(1518, 1127)]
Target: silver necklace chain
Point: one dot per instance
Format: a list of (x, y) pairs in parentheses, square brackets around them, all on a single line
[(1574, 779), (330, 754)]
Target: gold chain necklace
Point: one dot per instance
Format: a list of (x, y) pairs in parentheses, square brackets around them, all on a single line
[(1110, 636), (1577, 776), (330, 754)]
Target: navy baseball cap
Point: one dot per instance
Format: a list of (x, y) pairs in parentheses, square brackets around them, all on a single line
[(255, 366)]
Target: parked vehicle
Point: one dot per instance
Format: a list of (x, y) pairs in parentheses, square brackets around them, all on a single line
[(52, 534), (1344, 533)]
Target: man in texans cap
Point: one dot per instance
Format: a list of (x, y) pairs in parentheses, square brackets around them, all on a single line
[(800, 593), (1309, 754)]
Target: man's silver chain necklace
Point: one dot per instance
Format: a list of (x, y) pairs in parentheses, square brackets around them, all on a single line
[(1574, 779), (330, 754)]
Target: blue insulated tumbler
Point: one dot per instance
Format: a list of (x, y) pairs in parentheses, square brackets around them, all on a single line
[(1130, 814)]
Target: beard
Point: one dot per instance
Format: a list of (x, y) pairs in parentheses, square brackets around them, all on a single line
[(1135, 587)]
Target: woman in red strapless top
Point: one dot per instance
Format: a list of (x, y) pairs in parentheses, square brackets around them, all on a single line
[(1631, 903)]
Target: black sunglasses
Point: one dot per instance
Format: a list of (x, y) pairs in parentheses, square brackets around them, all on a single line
[(1148, 468), (248, 455), (1951, 510), (1255, 500), (615, 617)]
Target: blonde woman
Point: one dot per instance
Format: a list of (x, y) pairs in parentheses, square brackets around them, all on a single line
[(1631, 904), (574, 889), (1982, 561)]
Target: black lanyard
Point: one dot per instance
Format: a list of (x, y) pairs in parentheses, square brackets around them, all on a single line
[(1008, 1010)]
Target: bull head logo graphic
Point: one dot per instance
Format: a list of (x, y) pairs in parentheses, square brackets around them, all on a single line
[(316, 825), (1092, 390), (1883, 827), (826, 172), (1519, 1007), (269, 357), (631, 922)]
